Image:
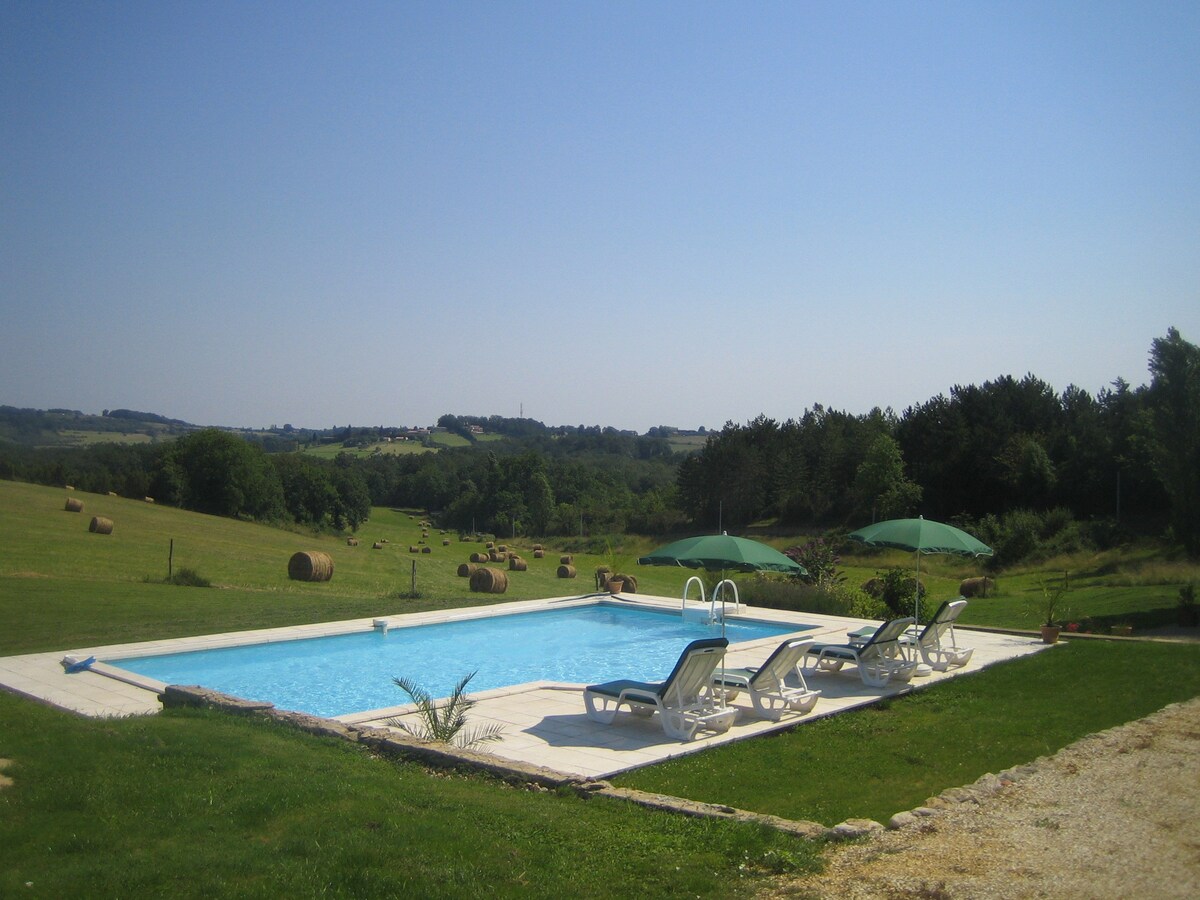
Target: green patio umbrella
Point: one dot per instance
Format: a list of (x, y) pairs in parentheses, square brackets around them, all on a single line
[(720, 553), (920, 535)]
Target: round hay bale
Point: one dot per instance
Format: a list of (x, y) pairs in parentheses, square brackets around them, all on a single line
[(538, 547), (69, 487), (491, 545), (378, 545), (503, 548), (445, 542), (74, 505), (412, 549), (516, 564), (486, 580), (148, 499), (351, 542), (101, 525), (566, 571), (974, 587), (479, 557), (497, 556), (426, 549), (565, 560), (310, 565), (539, 554), (630, 583), (466, 570), (112, 493)]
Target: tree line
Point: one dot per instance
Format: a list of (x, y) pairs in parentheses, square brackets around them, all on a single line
[(1127, 458)]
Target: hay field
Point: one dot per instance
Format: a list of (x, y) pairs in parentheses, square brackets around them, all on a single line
[(62, 586)]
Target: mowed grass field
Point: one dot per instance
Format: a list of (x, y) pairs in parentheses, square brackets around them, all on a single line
[(196, 803), (62, 586)]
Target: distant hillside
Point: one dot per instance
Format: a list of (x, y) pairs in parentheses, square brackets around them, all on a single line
[(72, 428), (38, 428)]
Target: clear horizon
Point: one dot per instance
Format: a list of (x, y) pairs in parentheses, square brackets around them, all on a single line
[(617, 214)]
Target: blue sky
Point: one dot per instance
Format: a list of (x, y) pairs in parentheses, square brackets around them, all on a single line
[(615, 213)]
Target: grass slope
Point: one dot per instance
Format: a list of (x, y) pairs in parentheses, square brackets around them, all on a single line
[(196, 804), (1135, 585), (893, 755), (61, 586)]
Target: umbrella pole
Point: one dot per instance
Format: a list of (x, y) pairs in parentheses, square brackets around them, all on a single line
[(917, 591)]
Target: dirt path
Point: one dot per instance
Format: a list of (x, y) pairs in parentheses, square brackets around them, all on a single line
[(1116, 814)]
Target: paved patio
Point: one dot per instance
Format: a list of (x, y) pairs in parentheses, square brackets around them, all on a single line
[(543, 723)]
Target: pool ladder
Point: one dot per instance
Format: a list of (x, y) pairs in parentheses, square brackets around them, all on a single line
[(718, 596)]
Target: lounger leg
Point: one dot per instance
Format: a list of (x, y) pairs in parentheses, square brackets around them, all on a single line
[(874, 675), (825, 664), (679, 725), (804, 702), (769, 706), (604, 712)]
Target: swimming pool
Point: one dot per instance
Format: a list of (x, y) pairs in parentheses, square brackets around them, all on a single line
[(340, 674)]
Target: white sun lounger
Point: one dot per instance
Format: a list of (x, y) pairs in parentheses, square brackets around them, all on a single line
[(880, 660), (685, 701), (938, 647), (766, 685), (936, 642)]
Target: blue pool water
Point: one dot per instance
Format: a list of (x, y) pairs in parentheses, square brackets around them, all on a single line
[(331, 676)]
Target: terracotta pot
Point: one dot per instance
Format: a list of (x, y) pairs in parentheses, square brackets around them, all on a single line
[(1050, 633), (615, 585)]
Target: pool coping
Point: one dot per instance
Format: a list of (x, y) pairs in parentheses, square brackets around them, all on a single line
[(543, 723)]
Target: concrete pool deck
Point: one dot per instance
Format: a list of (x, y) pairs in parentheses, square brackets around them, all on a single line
[(543, 723)]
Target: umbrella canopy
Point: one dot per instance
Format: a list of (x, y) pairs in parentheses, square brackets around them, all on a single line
[(721, 552), (920, 536)]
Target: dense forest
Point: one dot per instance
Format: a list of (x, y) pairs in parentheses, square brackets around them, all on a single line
[(1012, 458)]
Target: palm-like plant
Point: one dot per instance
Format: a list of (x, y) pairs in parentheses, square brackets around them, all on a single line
[(445, 722)]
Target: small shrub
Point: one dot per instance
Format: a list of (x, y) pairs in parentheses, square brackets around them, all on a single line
[(188, 578), (821, 561), (895, 588), (864, 606)]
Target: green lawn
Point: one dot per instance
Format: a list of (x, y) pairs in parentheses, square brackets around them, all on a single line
[(199, 804), (196, 803), (890, 757)]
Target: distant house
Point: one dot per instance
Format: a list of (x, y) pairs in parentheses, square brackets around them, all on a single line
[(475, 429)]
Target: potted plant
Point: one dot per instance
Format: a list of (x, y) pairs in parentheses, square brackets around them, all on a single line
[(1050, 609), (613, 580)]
